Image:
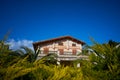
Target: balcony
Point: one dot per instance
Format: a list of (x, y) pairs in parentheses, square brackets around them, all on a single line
[(67, 56)]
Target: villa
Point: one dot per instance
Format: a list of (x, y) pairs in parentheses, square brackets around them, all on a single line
[(67, 48)]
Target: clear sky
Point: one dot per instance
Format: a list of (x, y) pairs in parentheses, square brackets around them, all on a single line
[(43, 19)]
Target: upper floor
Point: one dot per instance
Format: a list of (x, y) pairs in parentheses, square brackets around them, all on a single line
[(65, 45)]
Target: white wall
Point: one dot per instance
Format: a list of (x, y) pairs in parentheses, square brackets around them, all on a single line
[(67, 46)]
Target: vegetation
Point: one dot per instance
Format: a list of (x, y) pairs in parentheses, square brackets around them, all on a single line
[(103, 64)]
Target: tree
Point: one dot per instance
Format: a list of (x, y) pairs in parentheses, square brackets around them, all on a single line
[(25, 51), (7, 56), (50, 58), (107, 59)]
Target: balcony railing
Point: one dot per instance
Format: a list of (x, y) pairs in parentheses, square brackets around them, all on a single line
[(57, 52), (65, 56)]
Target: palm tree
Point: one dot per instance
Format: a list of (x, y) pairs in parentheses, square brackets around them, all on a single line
[(50, 58), (25, 51), (107, 59), (7, 56)]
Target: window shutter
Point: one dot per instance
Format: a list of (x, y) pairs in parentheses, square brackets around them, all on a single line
[(60, 43), (61, 51), (46, 50), (73, 44), (74, 51)]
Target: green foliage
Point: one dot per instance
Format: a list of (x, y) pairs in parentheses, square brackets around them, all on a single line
[(106, 60), (25, 51), (103, 64), (50, 59)]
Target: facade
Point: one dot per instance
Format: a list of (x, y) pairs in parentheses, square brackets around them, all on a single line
[(67, 48)]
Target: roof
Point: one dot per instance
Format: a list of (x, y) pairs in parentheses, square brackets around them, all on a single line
[(57, 39)]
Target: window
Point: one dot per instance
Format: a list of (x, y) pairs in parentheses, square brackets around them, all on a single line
[(61, 44), (73, 44), (46, 50), (74, 51), (61, 51)]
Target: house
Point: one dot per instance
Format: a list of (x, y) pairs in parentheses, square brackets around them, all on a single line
[(66, 47)]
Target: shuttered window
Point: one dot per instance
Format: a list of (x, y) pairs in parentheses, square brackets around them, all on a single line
[(73, 44), (74, 51), (46, 50), (60, 43), (61, 51)]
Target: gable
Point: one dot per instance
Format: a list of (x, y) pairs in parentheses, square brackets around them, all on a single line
[(60, 43), (57, 41)]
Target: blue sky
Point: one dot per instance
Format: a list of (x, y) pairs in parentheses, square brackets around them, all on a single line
[(35, 20)]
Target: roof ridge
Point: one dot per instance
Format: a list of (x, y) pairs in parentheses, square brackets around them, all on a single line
[(53, 38), (57, 38)]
